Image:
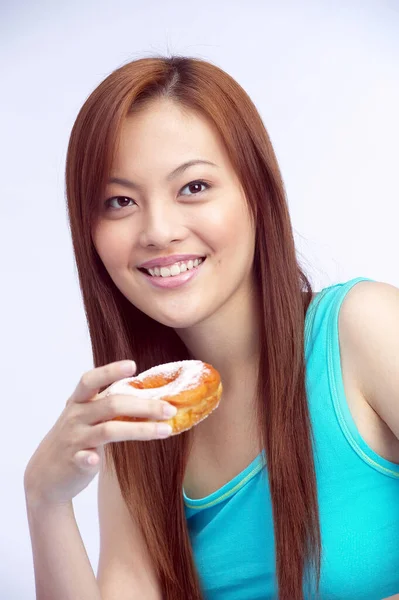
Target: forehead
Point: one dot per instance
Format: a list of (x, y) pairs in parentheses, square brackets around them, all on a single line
[(167, 133)]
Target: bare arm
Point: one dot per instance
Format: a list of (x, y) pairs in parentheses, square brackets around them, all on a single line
[(57, 472), (62, 567), (125, 570)]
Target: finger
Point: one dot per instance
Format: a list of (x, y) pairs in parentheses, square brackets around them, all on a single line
[(122, 405), (120, 431), (91, 381), (87, 458)]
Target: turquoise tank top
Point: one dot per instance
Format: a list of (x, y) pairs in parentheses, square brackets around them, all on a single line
[(231, 530)]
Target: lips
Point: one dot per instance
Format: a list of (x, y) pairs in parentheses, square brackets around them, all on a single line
[(175, 269), (165, 261), (173, 281)]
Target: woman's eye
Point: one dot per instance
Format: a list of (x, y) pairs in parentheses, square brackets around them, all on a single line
[(196, 184), (123, 201), (117, 198)]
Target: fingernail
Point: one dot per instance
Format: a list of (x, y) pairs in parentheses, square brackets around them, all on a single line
[(163, 430), (169, 410), (128, 368)]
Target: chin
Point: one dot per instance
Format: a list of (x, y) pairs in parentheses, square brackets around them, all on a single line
[(177, 320), (180, 322)]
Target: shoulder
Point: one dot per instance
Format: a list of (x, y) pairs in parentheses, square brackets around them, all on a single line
[(369, 334)]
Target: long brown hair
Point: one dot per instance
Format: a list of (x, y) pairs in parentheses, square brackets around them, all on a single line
[(151, 473)]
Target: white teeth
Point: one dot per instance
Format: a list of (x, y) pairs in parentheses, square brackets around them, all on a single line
[(175, 269)]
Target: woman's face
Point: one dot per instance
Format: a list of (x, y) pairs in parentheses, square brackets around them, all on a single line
[(157, 212)]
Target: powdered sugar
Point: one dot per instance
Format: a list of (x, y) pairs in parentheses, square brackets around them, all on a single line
[(189, 377)]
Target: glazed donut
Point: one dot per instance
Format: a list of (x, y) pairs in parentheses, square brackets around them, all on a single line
[(193, 386)]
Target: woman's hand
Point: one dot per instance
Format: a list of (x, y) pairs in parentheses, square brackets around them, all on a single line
[(58, 470)]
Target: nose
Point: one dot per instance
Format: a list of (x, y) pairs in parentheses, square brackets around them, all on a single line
[(161, 225)]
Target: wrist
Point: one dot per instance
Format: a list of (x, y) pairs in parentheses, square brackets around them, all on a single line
[(35, 503)]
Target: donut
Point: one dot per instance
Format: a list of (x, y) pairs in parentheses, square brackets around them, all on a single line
[(192, 386)]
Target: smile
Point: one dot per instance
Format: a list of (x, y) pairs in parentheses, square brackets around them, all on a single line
[(175, 269), (174, 275)]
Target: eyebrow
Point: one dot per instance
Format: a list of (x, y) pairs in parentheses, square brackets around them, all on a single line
[(180, 169)]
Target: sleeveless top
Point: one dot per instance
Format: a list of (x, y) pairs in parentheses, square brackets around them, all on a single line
[(231, 530)]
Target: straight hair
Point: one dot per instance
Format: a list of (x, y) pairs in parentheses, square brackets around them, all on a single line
[(150, 473)]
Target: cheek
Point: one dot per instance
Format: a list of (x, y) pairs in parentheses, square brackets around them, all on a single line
[(110, 245), (222, 217), (229, 228)]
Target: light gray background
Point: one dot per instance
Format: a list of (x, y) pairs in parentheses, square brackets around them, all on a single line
[(324, 75)]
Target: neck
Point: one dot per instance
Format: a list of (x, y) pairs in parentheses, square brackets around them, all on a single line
[(229, 341)]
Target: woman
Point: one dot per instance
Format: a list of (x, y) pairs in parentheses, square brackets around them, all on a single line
[(170, 162)]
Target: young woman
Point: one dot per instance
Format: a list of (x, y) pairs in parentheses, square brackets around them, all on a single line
[(289, 488)]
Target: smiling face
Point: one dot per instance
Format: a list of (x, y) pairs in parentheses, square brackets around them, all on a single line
[(197, 212)]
